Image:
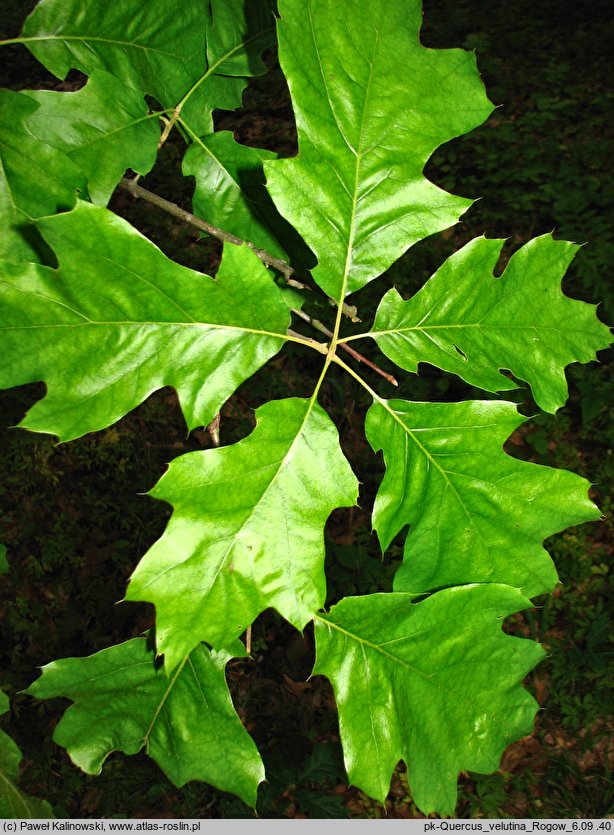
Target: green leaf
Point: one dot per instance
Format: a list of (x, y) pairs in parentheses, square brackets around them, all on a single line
[(186, 722), (371, 106), (16, 241), (247, 530), (435, 684), (239, 33), (35, 179), (104, 128), (466, 321), (13, 802), (193, 55), (476, 515), (4, 566), (120, 320), (147, 46), (230, 190), (236, 36)]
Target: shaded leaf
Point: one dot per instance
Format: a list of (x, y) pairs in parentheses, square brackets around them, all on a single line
[(104, 128), (237, 33), (35, 179), (4, 566), (476, 515), (371, 106), (195, 53), (230, 190), (13, 802), (16, 243), (147, 46), (123, 701), (120, 320), (316, 804), (435, 684), (247, 530), (466, 321)]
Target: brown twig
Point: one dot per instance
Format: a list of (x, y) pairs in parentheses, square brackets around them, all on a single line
[(173, 209), (214, 430), (168, 126), (359, 357)]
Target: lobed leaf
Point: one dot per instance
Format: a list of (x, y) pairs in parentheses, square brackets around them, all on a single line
[(466, 321), (119, 320), (104, 128), (237, 33), (123, 701), (13, 802), (196, 53), (435, 684), (247, 530), (476, 515), (371, 106), (147, 46)]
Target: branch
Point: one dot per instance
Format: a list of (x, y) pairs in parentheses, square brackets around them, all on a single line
[(173, 209), (168, 126), (359, 357), (285, 269)]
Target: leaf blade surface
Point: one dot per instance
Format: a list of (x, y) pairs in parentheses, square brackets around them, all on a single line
[(103, 127), (149, 46), (434, 683), (466, 321), (35, 179), (187, 722), (201, 52), (120, 320), (371, 105), (247, 530), (476, 515), (230, 190)]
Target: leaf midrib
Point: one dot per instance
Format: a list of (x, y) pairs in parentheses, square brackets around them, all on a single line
[(363, 642), (213, 67), (16, 792), (433, 460), (232, 539), (421, 328), (94, 39), (202, 325), (358, 152), (162, 702)]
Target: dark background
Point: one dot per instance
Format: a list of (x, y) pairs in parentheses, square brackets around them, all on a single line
[(76, 523)]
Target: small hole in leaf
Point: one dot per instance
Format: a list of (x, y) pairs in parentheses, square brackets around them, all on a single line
[(462, 353)]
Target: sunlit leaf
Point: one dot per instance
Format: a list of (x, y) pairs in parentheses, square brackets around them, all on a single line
[(247, 530), (35, 179), (104, 128), (371, 105), (476, 515), (119, 320), (186, 722), (199, 56), (467, 321), (230, 190), (436, 684)]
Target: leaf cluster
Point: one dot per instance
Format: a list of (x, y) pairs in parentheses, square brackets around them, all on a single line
[(88, 305)]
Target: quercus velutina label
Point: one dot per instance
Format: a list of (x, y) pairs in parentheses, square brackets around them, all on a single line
[(89, 306)]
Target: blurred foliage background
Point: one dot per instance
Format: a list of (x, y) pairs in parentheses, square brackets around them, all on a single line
[(76, 521)]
